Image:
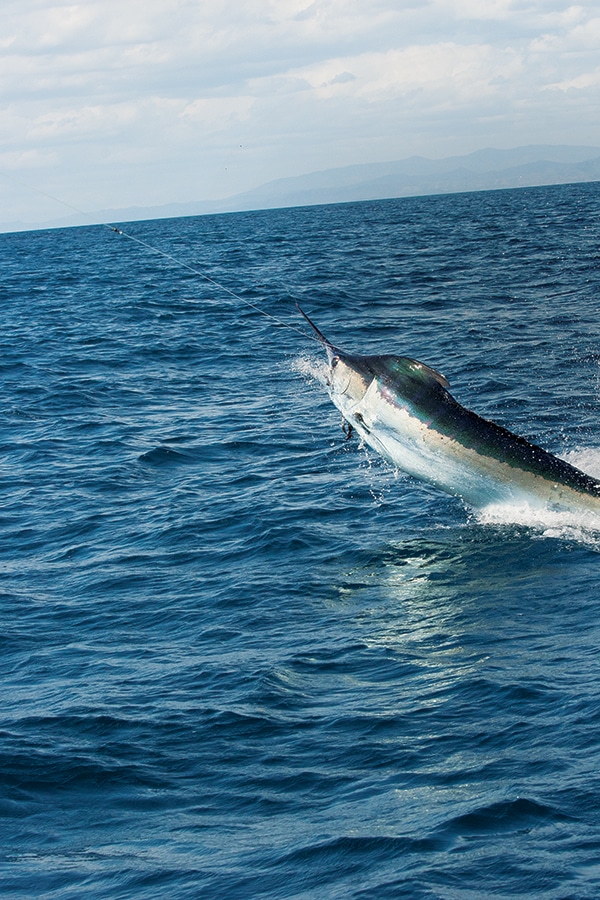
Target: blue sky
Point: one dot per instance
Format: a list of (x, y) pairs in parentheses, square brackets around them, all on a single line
[(115, 103)]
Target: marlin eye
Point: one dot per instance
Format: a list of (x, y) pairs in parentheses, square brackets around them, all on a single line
[(335, 361)]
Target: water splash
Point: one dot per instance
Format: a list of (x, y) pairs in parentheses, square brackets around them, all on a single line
[(583, 527), (587, 459), (310, 368)]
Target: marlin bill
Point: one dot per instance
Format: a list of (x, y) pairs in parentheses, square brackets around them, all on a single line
[(403, 409)]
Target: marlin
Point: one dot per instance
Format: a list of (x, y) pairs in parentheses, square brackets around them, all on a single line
[(403, 409)]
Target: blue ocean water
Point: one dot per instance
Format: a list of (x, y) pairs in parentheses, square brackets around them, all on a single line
[(241, 656)]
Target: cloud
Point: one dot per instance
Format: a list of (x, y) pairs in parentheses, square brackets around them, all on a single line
[(343, 78), (217, 113), (457, 73), (90, 87), (83, 121), (104, 47), (582, 82)]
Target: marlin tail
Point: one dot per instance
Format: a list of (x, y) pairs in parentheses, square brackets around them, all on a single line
[(404, 411)]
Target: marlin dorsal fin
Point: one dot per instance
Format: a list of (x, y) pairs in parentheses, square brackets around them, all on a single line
[(433, 373), (399, 367)]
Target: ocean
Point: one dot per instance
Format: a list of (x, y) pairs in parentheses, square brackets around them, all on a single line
[(243, 657)]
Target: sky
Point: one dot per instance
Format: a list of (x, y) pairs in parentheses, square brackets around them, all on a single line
[(107, 104)]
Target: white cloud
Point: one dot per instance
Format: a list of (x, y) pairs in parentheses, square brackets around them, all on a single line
[(83, 121), (580, 83), (217, 113), (88, 87), (460, 74)]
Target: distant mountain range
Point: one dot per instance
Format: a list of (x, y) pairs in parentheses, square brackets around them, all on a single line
[(483, 170)]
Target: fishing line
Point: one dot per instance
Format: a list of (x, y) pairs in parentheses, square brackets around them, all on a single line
[(130, 237), (208, 278), (184, 265)]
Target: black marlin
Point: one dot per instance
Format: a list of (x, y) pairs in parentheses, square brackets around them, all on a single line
[(403, 409)]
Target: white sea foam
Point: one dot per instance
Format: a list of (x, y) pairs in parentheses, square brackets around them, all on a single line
[(580, 526)]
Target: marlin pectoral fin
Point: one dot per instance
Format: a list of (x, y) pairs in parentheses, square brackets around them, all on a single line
[(358, 417)]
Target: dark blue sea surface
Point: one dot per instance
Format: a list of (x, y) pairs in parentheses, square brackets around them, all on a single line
[(241, 656)]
